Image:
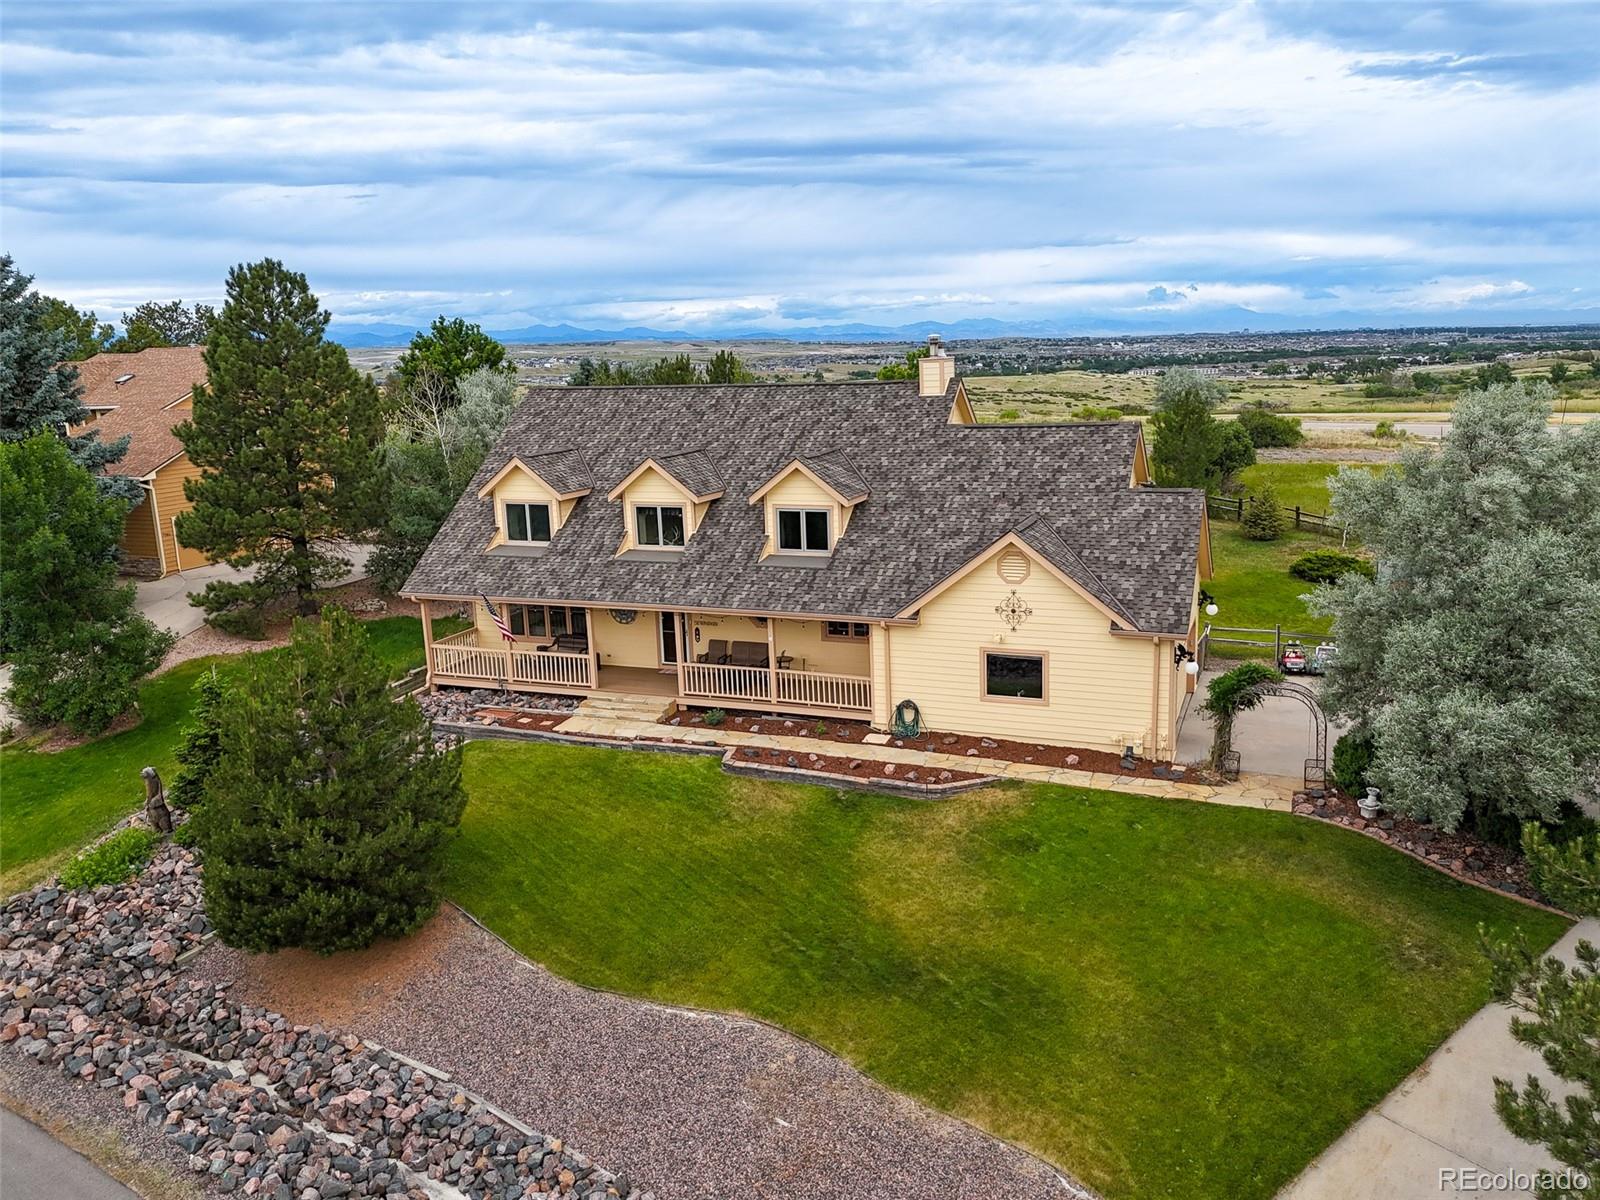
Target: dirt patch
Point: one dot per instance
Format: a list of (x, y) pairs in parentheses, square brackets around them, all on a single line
[(61, 738), (691, 1105), (855, 732)]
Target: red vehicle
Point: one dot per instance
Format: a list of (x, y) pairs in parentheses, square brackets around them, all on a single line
[(1293, 659)]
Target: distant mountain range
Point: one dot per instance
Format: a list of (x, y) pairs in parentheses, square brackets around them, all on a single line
[(1226, 320)]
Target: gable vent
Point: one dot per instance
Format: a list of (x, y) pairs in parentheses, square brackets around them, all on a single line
[(1013, 566)]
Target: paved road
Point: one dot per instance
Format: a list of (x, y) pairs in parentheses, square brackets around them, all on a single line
[(1430, 1135), (34, 1166)]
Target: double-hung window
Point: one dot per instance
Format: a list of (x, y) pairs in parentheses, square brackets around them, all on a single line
[(658, 525), (527, 522), (804, 531)]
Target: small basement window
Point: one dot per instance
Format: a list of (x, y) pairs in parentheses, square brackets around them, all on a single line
[(845, 631), (804, 530), (527, 522), (1014, 677), (659, 525)]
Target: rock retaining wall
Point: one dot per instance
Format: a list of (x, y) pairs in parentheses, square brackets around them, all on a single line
[(89, 984)]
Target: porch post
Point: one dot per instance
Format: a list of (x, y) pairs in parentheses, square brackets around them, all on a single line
[(594, 651), (427, 642), (772, 660), (684, 646), (511, 662)]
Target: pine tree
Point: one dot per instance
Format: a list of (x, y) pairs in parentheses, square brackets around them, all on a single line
[(451, 350), (39, 389), (726, 367), (201, 741), (1559, 1007), (328, 807), (286, 434), (1186, 438), (1263, 519), (77, 644)]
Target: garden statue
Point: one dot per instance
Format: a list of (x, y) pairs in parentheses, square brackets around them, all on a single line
[(155, 803)]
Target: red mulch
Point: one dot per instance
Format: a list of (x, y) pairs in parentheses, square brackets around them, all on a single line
[(1456, 854), (852, 733), (857, 768), (519, 718)]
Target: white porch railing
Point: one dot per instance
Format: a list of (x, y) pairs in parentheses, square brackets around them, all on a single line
[(721, 681), (814, 689), (459, 656), (803, 689), (554, 667)]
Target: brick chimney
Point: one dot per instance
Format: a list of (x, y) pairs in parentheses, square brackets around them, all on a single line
[(935, 372)]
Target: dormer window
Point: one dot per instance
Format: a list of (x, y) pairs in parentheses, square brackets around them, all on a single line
[(804, 531), (527, 524), (659, 526)]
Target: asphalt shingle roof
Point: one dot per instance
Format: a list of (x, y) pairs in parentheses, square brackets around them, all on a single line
[(564, 471), (695, 469), (138, 406), (837, 471), (940, 494)]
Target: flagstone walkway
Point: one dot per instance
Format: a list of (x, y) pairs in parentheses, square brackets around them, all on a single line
[(1272, 792)]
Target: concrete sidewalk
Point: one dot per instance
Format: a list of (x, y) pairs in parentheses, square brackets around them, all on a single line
[(35, 1166), (166, 601), (1271, 792), (1442, 1119)]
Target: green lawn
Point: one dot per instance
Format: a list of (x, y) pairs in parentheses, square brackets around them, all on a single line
[(1251, 580), (1169, 999), (54, 803)]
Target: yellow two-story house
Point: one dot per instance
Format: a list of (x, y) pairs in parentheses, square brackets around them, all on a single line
[(827, 550)]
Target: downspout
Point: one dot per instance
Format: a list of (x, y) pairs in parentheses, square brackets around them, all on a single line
[(1155, 697)]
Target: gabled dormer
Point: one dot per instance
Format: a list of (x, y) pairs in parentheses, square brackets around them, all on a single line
[(664, 499), (807, 504), (534, 496)]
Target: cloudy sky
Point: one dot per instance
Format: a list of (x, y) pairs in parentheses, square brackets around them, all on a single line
[(772, 165)]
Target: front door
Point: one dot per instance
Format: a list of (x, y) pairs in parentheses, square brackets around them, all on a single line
[(667, 624)]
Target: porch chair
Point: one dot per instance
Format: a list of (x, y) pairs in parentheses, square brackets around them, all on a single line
[(716, 652)]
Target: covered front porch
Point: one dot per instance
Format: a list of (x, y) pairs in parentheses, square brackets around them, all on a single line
[(721, 660)]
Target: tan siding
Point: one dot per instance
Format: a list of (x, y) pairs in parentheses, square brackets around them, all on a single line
[(1099, 686), (170, 502), (139, 532), (634, 645), (883, 701), (798, 490), (520, 486)]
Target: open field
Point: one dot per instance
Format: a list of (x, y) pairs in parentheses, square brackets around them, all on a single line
[(56, 802), (1169, 999), (1054, 397)]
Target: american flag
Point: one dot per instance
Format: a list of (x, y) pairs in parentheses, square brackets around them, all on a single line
[(499, 621)]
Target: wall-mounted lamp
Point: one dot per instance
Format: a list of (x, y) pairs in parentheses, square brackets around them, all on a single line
[(1209, 602), (1182, 657)]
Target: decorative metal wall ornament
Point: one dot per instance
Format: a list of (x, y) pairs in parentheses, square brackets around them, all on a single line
[(1013, 609), (623, 616)]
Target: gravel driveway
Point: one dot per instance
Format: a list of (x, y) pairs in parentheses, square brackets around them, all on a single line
[(689, 1104)]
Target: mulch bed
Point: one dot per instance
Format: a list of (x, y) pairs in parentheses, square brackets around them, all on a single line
[(854, 732), (1457, 854), (518, 718), (834, 764)]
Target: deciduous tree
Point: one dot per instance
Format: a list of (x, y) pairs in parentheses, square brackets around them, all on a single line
[(83, 333), (286, 434), (1473, 658), (323, 820), (165, 323), (433, 448), (451, 350)]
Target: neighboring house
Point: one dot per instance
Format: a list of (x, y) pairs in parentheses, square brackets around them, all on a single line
[(144, 395), (828, 550)]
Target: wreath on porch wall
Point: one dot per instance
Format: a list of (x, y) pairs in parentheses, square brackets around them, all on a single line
[(623, 616)]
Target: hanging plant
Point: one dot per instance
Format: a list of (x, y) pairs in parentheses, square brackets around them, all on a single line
[(623, 616)]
